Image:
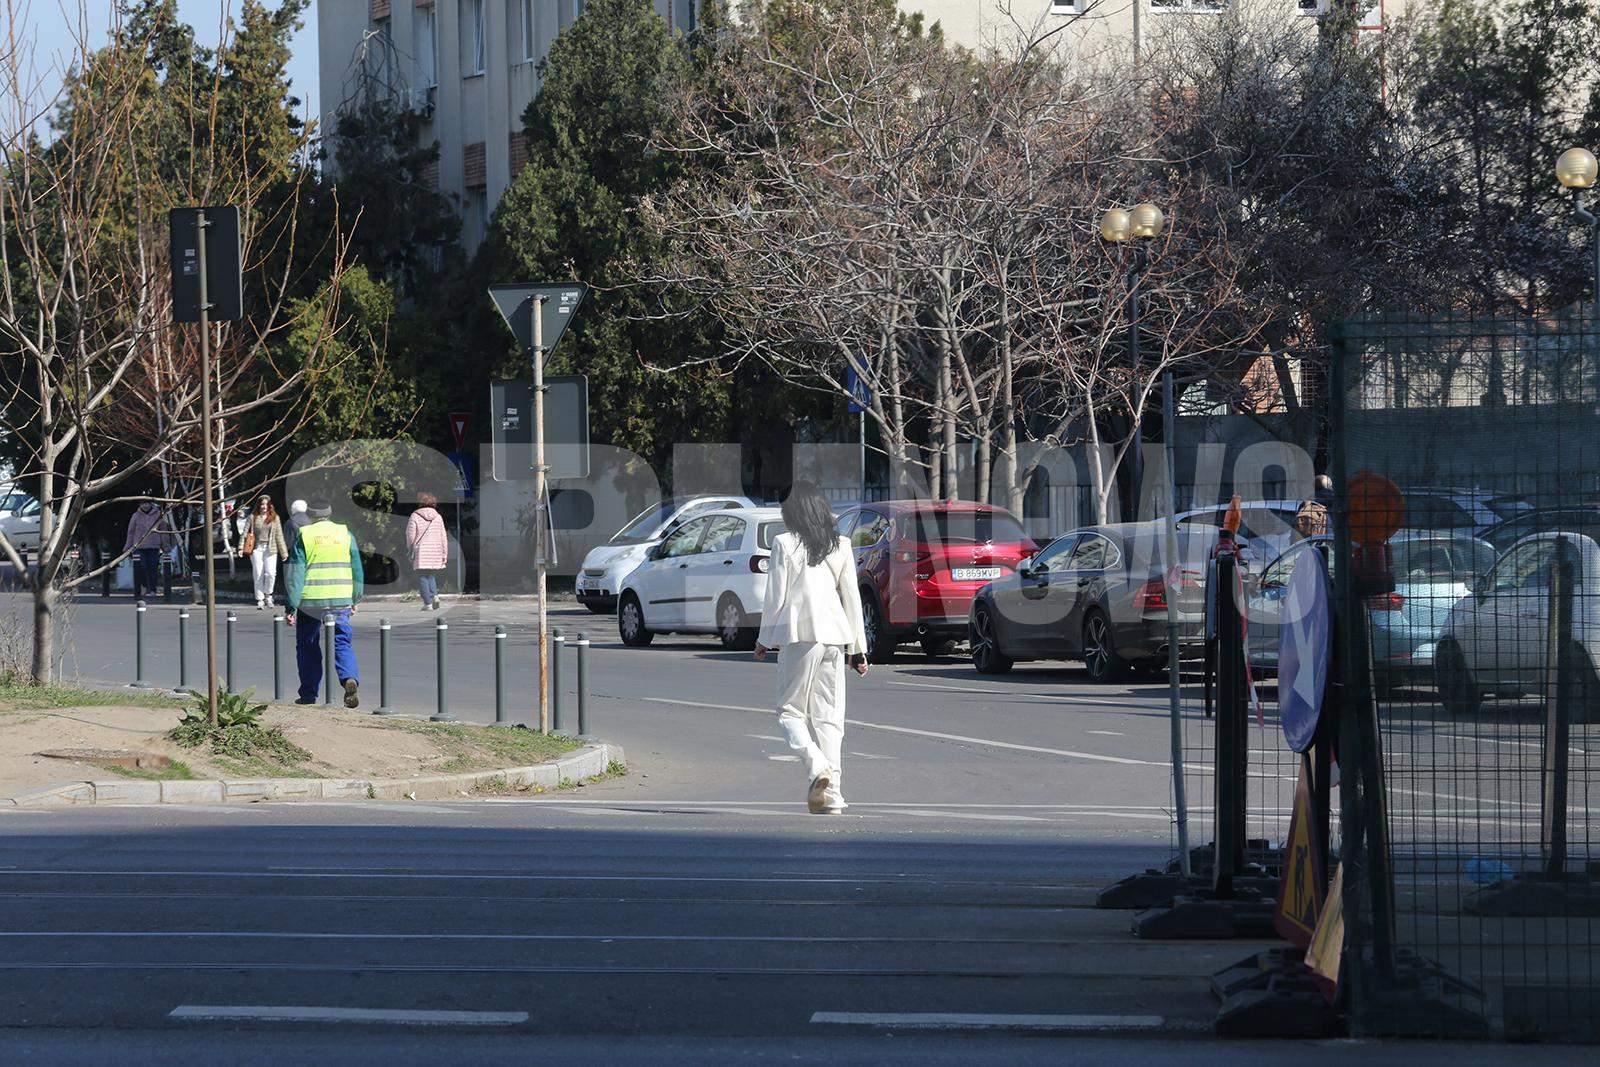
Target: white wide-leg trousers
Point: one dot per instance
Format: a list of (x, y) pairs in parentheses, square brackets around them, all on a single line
[(264, 569), (811, 705)]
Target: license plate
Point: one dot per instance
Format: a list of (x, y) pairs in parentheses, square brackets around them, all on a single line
[(975, 574)]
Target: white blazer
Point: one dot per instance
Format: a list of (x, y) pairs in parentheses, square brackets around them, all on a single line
[(804, 603)]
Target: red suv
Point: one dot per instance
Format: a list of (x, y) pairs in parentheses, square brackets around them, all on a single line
[(920, 563)]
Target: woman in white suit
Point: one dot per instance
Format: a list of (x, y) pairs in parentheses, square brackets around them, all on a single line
[(812, 617)]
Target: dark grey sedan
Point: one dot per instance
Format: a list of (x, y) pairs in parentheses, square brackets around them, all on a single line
[(1094, 594)]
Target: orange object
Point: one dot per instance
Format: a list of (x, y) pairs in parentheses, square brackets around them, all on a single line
[(1235, 516), (1377, 508)]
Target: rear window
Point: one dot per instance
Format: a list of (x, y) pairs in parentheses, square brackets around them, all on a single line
[(1254, 521), (1441, 559), (1508, 507), (961, 527), (767, 532)]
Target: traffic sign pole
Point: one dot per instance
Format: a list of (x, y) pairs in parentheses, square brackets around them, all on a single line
[(539, 488), (208, 490)]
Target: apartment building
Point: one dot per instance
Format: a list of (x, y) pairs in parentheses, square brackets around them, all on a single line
[(470, 67)]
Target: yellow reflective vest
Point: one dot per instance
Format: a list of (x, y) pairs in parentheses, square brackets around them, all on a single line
[(330, 580)]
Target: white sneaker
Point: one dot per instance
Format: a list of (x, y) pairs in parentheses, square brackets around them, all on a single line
[(817, 795)]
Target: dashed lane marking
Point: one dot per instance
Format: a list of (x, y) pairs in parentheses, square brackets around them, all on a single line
[(902, 1020), (394, 1017)]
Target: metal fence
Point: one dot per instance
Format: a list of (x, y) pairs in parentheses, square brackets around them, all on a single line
[(1470, 737)]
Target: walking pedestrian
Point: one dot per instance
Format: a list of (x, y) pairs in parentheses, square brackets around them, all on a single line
[(149, 535), (812, 618), (297, 517), (264, 546), (430, 548), (323, 576)]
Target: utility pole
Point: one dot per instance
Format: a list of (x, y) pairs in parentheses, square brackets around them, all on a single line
[(209, 491), (540, 509)]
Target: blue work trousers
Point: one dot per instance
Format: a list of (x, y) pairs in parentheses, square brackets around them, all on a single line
[(308, 650)]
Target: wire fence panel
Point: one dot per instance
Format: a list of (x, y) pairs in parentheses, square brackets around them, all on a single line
[(1482, 614)]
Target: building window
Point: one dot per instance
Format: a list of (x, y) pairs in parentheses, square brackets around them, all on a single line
[(472, 50), (426, 30), (530, 43), (477, 226), (1069, 7), (577, 9), (1200, 6), (474, 173)]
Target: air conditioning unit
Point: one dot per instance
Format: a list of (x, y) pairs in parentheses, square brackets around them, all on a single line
[(421, 101)]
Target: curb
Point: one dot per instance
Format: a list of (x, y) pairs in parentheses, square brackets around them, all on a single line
[(587, 761)]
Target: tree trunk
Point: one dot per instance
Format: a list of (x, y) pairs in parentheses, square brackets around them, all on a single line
[(1097, 476), (947, 418), (44, 632)]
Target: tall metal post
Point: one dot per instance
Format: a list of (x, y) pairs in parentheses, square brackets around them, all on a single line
[(540, 488), (1180, 799), (583, 685), (500, 676), (383, 669), (441, 630), (209, 490), (183, 648), (1563, 692), (232, 624), (138, 646), (558, 644), (1232, 735), (328, 680), (277, 655)]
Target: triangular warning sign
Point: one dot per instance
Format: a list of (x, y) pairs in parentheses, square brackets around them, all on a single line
[(1301, 893), (557, 304)]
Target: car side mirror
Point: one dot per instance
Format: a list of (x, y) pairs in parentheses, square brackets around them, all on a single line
[(655, 551)]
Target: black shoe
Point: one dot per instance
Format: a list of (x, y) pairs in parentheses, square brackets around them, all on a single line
[(350, 698), (305, 700)]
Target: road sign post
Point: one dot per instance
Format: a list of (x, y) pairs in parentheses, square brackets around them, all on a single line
[(193, 273), (538, 315)]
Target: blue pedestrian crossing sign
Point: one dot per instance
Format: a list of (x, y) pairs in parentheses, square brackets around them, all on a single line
[(1304, 632), (860, 391)]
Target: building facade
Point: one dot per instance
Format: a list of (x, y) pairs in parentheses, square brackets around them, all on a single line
[(470, 67)]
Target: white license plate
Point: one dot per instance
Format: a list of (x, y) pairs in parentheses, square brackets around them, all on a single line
[(975, 574)]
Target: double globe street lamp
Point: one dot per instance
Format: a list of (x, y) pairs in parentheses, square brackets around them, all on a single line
[(1578, 170)]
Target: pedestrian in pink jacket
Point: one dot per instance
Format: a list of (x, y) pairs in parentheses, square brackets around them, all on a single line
[(430, 548)]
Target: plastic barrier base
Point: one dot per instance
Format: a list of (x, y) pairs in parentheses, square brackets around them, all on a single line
[(1203, 916)]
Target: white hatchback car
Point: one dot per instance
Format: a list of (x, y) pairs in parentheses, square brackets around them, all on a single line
[(1496, 640), (708, 577), (607, 565)]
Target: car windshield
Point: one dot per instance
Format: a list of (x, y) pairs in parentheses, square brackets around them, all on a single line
[(1508, 507), (767, 532), (1441, 559), (14, 501), (963, 527), (1255, 520), (645, 524)]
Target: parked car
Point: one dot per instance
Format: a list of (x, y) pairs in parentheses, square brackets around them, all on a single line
[(1578, 518), (604, 568), (1473, 511), (13, 501), (1266, 527), (1093, 594), (1496, 638), (708, 577), (920, 563), (22, 527), (1433, 570)]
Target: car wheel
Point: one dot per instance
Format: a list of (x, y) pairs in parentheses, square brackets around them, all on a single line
[(733, 626), (938, 646), (630, 622), (1099, 651), (1458, 692), (985, 642), (880, 643)]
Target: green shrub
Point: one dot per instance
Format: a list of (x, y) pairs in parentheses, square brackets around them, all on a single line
[(238, 733)]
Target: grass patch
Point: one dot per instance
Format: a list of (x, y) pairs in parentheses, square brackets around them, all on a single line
[(255, 767), (248, 744), (494, 787), (614, 769), (16, 696), (177, 772), (469, 748)]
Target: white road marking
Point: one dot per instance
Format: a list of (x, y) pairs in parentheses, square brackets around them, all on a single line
[(904, 1020), (987, 817), (1044, 698), (767, 737), (1105, 733), (394, 1016), (784, 759), (1095, 756), (869, 755)]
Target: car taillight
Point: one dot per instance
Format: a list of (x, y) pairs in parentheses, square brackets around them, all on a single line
[(1386, 602), (760, 564), (1152, 596)]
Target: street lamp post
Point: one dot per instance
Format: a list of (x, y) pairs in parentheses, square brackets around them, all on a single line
[(1119, 226), (1577, 170)]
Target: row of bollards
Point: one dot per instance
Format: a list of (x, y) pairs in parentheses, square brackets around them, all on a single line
[(330, 679)]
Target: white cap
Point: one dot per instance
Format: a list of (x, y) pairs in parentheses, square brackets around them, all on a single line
[(298, 507)]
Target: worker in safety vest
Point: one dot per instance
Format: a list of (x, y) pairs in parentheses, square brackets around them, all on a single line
[(323, 577)]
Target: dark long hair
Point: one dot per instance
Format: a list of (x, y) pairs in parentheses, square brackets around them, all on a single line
[(806, 514)]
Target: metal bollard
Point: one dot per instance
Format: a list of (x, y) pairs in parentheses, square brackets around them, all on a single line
[(383, 669), (500, 676), (277, 653), (440, 630), (558, 644), (138, 646), (583, 685), (231, 622), (183, 648), (328, 679)]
